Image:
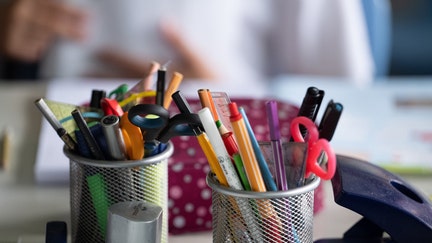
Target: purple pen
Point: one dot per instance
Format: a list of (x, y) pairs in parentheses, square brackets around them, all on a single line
[(275, 137)]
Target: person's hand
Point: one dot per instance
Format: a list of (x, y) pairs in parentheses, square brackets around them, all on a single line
[(31, 26), (187, 60)]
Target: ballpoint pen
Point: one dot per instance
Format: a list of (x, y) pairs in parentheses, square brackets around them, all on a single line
[(275, 137)]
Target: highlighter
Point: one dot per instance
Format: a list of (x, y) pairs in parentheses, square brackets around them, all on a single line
[(172, 87), (267, 212), (246, 150), (265, 171)]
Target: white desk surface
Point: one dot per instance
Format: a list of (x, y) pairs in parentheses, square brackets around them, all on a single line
[(25, 208)]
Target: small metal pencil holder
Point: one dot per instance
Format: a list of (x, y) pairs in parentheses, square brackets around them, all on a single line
[(272, 216), (96, 185)]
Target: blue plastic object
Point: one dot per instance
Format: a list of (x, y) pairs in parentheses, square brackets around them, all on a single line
[(387, 203), (56, 232)]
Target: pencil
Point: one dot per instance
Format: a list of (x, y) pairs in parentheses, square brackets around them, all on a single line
[(172, 87)]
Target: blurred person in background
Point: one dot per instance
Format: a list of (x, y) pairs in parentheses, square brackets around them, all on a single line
[(223, 40)]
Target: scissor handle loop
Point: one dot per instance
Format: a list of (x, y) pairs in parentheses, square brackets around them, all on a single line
[(180, 125), (310, 126), (315, 148), (148, 116)]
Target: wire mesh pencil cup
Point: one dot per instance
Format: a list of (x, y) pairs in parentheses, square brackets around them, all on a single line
[(246, 216), (95, 185)]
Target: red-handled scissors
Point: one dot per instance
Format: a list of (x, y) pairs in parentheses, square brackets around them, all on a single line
[(315, 146)]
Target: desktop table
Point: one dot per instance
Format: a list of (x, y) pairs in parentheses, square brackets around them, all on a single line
[(26, 207)]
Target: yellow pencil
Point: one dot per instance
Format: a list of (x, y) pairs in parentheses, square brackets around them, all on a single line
[(211, 157)]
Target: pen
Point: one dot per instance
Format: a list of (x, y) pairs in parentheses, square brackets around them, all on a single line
[(160, 86), (172, 87), (96, 97), (245, 148), (204, 96), (232, 149), (265, 171), (330, 120), (228, 168), (310, 105), (275, 137), (267, 212), (113, 136), (227, 137), (52, 120), (202, 138), (219, 148), (95, 150)]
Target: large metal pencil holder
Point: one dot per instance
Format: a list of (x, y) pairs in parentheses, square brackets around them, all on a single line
[(281, 216), (96, 185)]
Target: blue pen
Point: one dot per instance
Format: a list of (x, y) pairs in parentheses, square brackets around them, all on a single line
[(265, 171)]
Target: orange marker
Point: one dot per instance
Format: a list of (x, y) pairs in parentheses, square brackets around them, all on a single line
[(172, 87), (246, 150)]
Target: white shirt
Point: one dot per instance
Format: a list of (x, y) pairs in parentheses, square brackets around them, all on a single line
[(243, 41)]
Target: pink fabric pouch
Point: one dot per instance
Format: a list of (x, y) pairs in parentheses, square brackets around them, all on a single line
[(189, 196)]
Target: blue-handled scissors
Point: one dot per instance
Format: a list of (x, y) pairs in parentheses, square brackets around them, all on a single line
[(156, 124), (315, 146)]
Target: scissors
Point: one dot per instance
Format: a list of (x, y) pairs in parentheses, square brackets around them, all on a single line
[(156, 124), (316, 146)]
